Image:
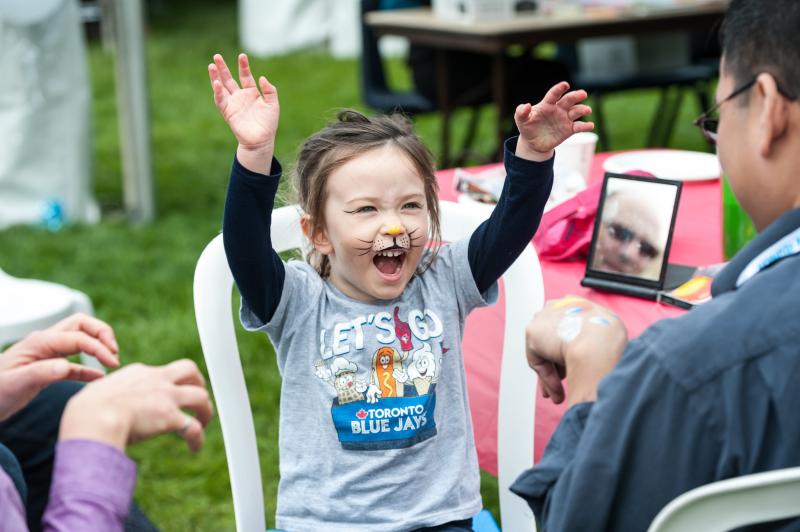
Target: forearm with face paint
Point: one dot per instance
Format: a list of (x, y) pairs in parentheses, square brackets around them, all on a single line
[(257, 269)]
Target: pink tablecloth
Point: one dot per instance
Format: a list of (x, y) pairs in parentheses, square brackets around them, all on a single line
[(697, 240)]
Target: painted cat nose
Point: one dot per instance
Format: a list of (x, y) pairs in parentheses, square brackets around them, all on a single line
[(394, 230)]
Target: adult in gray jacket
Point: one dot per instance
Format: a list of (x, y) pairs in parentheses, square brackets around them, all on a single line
[(713, 394)]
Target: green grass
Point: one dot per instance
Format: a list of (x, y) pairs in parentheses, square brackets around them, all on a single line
[(140, 278)]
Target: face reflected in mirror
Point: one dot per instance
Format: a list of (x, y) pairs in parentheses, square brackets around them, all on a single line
[(634, 228)]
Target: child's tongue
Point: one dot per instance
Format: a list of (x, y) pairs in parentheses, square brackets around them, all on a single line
[(388, 265)]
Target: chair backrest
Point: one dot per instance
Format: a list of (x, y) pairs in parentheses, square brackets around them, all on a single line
[(213, 284), (374, 89), (733, 503), (27, 305)]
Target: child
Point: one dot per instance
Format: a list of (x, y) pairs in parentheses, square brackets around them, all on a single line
[(375, 429)]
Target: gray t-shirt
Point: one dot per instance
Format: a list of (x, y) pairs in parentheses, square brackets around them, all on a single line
[(375, 427)]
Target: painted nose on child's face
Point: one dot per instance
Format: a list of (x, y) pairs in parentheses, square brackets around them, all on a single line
[(393, 229)]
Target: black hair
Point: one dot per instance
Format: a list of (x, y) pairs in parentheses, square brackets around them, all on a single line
[(763, 36)]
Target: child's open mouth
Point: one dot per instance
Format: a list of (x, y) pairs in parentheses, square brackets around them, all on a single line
[(389, 262)]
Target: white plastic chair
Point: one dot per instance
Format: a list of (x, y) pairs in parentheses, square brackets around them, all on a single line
[(213, 283), (27, 305), (733, 503)]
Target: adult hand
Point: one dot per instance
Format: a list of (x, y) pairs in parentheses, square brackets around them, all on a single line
[(577, 339), (138, 402), (251, 115), (37, 361), (550, 122)]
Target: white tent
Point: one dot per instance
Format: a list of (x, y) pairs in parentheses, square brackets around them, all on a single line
[(276, 27), (44, 113)]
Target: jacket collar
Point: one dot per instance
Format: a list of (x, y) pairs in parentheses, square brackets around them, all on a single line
[(725, 280)]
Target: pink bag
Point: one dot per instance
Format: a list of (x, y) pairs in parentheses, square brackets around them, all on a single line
[(566, 230)]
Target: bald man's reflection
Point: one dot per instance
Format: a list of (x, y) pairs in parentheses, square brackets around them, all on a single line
[(628, 241)]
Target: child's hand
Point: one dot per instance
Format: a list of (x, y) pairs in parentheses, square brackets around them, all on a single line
[(251, 115), (547, 124)]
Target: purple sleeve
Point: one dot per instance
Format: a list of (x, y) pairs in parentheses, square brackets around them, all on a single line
[(11, 510), (92, 487)]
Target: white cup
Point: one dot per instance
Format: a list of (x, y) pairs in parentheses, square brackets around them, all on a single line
[(575, 155)]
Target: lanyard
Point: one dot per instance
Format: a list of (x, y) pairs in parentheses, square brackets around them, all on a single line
[(785, 247)]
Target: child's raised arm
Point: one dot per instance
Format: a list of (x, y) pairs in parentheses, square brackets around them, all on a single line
[(498, 241), (251, 115)]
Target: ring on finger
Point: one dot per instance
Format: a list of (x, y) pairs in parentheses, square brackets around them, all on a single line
[(187, 422)]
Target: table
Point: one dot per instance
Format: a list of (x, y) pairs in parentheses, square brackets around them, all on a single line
[(493, 38), (697, 240)]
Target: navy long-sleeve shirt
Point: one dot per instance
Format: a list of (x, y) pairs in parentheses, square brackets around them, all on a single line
[(711, 395), (259, 272)]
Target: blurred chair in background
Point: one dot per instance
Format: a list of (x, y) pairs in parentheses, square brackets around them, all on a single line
[(672, 63), (467, 82), (378, 95), (28, 305)]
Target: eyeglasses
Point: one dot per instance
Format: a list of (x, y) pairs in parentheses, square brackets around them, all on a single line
[(708, 126), (624, 235)]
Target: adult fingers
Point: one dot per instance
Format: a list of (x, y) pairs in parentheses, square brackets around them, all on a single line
[(34, 376), (95, 328), (555, 93), (78, 372), (194, 398), (542, 387), (184, 371), (556, 397), (580, 127), (185, 426), (64, 343), (100, 330), (549, 377), (225, 74), (192, 433), (571, 98), (245, 75), (579, 111), (90, 325)]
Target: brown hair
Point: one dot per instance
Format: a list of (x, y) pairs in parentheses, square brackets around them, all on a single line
[(353, 134)]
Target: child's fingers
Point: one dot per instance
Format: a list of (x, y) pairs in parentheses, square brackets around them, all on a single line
[(522, 112), (579, 111), (555, 93), (213, 74), (267, 89), (219, 93), (581, 127), (572, 98), (225, 75), (245, 76)]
